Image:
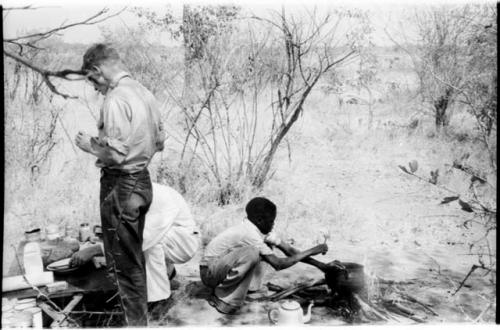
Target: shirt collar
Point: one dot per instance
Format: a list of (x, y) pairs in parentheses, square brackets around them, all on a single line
[(253, 227), (116, 79)]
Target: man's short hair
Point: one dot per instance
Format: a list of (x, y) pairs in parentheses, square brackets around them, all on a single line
[(97, 54), (260, 208)]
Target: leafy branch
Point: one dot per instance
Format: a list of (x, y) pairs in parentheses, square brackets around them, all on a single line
[(466, 205), (486, 215)]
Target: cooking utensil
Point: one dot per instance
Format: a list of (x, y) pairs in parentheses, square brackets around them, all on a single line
[(62, 266), (290, 313), (341, 277)]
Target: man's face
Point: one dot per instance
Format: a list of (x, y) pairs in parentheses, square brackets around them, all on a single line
[(97, 78), (99, 84), (265, 226)]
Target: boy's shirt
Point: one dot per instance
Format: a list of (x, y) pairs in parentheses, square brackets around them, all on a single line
[(241, 235)]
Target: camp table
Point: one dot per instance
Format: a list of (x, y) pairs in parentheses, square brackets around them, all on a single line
[(86, 280)]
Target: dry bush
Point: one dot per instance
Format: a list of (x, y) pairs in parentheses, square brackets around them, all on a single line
[(40, 182)]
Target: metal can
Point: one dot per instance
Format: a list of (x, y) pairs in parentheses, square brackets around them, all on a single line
[(85, 232), (98, 231)]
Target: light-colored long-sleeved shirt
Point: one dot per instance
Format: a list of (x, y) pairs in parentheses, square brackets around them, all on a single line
[(240, 235), (130, 129)]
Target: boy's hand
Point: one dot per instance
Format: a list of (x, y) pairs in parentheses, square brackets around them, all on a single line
[(320, 248)]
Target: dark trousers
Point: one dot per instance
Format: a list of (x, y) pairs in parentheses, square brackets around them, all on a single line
[(124, 199)]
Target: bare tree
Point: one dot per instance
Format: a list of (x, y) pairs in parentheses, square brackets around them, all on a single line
[(438, 54), (311, 47), (249, 80)]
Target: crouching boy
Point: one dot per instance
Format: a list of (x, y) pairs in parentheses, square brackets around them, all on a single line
[(232, 259)]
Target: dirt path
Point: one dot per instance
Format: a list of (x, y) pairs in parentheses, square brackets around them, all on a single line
[(376, 215)]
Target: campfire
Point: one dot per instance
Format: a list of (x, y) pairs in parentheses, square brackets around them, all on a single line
[(355, 295)]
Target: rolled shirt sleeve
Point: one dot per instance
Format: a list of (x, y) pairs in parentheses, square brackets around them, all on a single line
[(272, 239)]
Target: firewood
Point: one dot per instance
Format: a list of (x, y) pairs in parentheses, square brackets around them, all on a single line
[(367, 308), (392, 282), (424, 305), (396, 308), (404, 309), (288, 292), (274, 287)]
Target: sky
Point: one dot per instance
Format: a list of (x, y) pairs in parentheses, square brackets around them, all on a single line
[(53, 13)]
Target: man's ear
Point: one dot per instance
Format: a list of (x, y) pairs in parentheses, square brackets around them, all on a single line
[(96, 70)]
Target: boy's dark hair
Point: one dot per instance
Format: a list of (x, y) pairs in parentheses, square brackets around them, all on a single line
[(97, 54), (260, 208)]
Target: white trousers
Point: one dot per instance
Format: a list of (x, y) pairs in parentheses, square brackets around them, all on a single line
[(178, 246)]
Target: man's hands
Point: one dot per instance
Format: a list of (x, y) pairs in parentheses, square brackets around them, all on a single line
[(82, 141)]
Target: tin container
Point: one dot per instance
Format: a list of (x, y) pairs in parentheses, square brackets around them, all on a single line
[(85, 232), (98, 231)]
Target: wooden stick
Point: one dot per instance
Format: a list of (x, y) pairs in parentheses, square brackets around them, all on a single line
[(63, 322), (294, 289), (96, 313), (391, 282), (480, 316), (424, 305), (386, 312), (392, 307), (403, 308), (274, 287), (473, 268)]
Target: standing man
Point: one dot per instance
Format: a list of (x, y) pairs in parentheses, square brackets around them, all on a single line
[(129, 134)]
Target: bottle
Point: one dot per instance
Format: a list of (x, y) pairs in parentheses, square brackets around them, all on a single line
[(32, 258), (33, 235)]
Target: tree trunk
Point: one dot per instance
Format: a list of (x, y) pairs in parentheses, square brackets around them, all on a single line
[(370, 109), (440, 107), (186, 92)]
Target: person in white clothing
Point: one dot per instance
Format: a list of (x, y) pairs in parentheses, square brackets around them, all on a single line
[(170, 237)]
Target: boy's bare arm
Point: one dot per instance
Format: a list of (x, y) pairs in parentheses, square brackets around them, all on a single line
[(287, 249), (283, 263)]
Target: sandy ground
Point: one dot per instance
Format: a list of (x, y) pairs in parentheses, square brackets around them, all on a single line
[(348, 185), (375, 215)]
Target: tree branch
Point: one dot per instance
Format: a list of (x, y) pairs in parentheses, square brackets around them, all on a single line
[(97, 18), (47, 73), (31, 39), (28, 7)]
